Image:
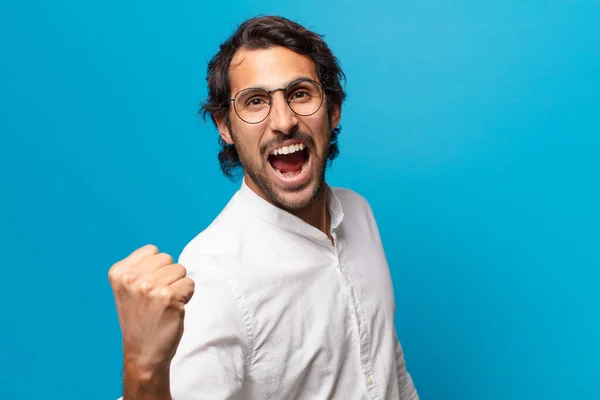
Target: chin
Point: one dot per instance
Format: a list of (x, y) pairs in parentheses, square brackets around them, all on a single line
[(296, 199)]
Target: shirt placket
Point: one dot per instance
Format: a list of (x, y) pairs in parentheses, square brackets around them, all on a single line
[(362, 328)]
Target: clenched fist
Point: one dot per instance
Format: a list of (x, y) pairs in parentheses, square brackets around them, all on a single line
[(150, 293)]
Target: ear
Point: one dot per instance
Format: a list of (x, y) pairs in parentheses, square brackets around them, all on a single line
[(223, 128), (335, 115)]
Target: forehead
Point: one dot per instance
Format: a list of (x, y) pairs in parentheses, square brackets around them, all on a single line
[(268, 68)]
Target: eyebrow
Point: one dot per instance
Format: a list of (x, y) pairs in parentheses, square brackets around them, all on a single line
[(285, 85)]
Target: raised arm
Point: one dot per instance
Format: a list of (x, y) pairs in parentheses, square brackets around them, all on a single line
[(161, 360), (150, 293)]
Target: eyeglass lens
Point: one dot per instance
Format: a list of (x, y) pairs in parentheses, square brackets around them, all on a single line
[(303, 97)]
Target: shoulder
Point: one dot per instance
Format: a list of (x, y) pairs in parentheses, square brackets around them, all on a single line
[(358, 214), (209, 263), (352, 202), (214, 242)]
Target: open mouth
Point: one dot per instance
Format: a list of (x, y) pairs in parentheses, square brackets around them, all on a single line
[(289, 162)]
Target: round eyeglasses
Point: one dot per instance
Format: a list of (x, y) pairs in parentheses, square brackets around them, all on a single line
[(253, 105)]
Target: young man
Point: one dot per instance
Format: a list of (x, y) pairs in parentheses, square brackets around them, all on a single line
[(293, 297)]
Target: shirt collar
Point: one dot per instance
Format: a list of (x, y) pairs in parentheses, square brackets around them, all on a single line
[(284, 219)]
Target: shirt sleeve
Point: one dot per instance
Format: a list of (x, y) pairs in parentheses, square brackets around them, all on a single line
[(211, 359), (406, 387), (214, 350)]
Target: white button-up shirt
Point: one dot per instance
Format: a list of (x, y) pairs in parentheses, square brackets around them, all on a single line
[(281, 313)]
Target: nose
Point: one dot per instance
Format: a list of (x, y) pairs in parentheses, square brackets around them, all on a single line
[(282, 119)]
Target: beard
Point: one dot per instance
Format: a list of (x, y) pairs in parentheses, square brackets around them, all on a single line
[(256, 167)]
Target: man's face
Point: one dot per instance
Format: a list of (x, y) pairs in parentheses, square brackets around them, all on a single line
[(290, 180)]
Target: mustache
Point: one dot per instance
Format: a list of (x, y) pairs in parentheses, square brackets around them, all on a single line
[(296, 135)]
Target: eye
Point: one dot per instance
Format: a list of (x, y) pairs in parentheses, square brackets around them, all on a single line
[(255, 101), (300, 95)]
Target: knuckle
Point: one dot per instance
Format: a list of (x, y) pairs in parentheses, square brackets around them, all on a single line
[(122, 279), (144, 287), (151, 249), (127, 278), (114, 271), (161, 259), (166, 258), (112, 275), (142, 252), (180, 270), (166, 295)]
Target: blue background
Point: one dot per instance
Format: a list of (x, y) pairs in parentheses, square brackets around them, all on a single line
[(472, 128)]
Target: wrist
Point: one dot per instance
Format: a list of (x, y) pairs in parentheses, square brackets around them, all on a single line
[(142, 381), (144, 369)]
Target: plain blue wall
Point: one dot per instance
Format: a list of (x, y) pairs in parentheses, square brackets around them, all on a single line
[(472, 128)]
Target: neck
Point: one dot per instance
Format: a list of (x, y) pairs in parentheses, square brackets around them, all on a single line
[(316, 213)]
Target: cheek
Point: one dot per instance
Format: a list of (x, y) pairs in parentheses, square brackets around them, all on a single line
[(318, 126), (247, 138)]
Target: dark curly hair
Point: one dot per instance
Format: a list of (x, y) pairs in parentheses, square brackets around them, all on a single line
[(261, 33)]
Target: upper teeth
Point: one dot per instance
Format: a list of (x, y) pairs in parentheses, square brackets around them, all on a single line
[(288, 149)]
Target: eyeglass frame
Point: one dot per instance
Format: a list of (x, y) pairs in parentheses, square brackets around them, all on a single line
[(285, 89)]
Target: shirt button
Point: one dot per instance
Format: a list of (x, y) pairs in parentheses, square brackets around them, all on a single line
[(358, 318), (369, 381)]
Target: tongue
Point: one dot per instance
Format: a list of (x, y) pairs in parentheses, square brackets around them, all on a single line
[(288, 162)]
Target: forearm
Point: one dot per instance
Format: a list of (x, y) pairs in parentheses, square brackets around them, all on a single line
[(139, 384)]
